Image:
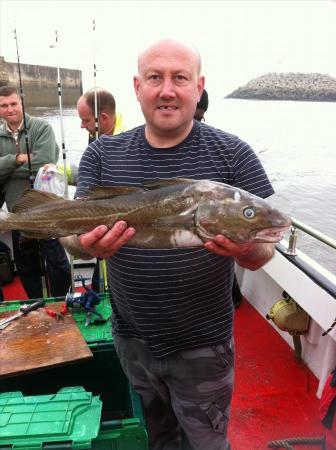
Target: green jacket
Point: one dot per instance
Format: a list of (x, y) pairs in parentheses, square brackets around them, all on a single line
[(43, 148)]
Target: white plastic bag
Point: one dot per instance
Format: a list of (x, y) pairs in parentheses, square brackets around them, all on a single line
[(50, 180)]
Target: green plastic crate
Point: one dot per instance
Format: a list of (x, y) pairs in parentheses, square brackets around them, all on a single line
[(72, 414), (122, 425), (68, 419)]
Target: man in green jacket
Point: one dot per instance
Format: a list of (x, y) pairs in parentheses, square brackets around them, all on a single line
[(14, 176)]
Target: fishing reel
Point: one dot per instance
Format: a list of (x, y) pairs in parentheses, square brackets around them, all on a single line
[(87, 300)]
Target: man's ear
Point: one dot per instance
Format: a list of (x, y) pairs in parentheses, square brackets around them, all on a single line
[(103, 116)]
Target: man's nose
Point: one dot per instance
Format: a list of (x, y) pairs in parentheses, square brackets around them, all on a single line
[(167, 88), (82, 125)]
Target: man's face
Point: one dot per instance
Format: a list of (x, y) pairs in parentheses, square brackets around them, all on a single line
[(86, 116), (11, 110), (168, 87)]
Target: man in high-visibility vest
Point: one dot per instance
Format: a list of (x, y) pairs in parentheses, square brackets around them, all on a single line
[(109, 122)]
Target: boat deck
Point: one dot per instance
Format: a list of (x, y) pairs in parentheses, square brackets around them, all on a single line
[(274, 395)]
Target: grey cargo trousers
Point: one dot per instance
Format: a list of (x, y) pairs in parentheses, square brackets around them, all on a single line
[(186, 396)]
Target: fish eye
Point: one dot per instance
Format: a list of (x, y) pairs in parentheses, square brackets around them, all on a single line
[(249, 212)]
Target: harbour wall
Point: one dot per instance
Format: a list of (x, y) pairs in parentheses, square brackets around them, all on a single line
[(40, 83)]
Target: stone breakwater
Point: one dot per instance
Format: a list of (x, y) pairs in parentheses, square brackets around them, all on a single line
[(40, 83), (289, 86)]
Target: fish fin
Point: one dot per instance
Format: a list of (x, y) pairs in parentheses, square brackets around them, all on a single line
[(169, 222), (169, 182), (99, 193), (33, 197)]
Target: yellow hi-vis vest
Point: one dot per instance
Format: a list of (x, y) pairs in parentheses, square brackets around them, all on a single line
[(119, 126), (72, 169)]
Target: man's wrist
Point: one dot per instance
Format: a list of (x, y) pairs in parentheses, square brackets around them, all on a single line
[(73, 246), (256, 257)]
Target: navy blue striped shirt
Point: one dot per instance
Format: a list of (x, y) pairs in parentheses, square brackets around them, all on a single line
[(174, 299)]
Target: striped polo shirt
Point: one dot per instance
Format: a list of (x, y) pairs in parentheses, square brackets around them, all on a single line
[(174, 299)]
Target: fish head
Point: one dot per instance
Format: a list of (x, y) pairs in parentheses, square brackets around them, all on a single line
[(241, 217)]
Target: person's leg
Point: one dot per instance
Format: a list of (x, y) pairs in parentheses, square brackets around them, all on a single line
[(26, 258), (95, 278), (200, 382), (58, 267), (236, 294), (143, 373)]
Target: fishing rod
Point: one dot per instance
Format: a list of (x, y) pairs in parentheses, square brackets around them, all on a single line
[(31, 176), (95, 83), (101, 262), (44, 279), (64, 152), (59, 87)]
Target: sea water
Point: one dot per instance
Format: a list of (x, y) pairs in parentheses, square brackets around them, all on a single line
[(295, 141)]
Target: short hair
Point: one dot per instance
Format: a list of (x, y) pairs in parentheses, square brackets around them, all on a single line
[(6, 91), (204, 101), (105, 101)]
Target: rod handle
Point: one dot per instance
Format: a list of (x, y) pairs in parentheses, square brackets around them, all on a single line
[(25, 309)]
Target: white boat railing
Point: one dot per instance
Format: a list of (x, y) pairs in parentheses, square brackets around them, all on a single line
[(296, 225)]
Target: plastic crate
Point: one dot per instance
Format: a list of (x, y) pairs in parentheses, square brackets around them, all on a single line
[(72, 414), (122, 425), (69, 419)]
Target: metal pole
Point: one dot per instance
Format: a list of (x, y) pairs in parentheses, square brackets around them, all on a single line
[(312, 232)]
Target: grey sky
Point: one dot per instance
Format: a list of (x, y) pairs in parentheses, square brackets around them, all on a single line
[(238, 40)]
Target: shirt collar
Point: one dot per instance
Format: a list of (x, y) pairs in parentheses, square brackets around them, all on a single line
[(11, 131)]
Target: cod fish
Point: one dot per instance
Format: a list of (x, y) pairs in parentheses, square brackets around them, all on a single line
[(165, 214)]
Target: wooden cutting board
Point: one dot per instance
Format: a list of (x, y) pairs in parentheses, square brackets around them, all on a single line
[(37, 340)]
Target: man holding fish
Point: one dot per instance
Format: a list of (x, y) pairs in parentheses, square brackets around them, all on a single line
[(171, 236)]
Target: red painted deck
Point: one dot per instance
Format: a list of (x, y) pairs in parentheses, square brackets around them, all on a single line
[(274, 395)]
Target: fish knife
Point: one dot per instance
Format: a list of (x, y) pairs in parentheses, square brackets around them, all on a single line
[(24, 310)]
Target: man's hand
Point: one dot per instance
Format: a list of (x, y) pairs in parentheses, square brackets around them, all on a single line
[(103, 242), (22, 158), (250, 255), (50, 166)]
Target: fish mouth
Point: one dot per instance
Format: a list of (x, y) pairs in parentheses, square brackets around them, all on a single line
[(271, 234)]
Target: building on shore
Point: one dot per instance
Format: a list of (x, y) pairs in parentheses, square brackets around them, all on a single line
[(40, 83)]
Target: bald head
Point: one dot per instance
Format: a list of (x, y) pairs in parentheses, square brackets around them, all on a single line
[(170, 47), (168, 87)]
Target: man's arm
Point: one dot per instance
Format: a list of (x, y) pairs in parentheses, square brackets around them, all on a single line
[(8, 164), (249, 255), (43, 148)]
